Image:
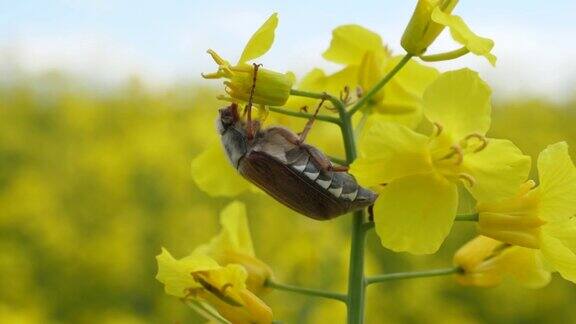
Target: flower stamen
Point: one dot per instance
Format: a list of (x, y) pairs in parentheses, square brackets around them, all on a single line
[(455, 151), (437, 129), (481, 138), (467, 178)]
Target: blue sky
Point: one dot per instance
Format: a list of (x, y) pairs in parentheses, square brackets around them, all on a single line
[(165, 41)]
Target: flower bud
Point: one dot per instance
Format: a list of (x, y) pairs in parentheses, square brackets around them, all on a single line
[(252, 311), (272, 88), (421, 30), (479, 260), (485, 262)]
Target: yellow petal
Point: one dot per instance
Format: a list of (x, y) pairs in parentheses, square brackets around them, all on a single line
[(261, 40), (463, 35), (235, 225), (336, 82), (460, 102), (487, 261), (370, 72), (524, 265), (557, 183), (557, 253), (214, 174), (565, 231), (350, 42), (235, 235), (499, 170), (176, 274), (402, 96), (317, 81), (415, 213), (389, 151), (413, 78), (253, 310)]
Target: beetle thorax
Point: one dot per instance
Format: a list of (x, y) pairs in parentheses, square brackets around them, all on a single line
[(235, 143)]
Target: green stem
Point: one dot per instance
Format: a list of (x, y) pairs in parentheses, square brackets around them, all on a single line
[(314, 95), (307, 291), (411, 275), (356, 286), (445, 56), (467, 218), (368, 226), (380, 84), (298, 114)]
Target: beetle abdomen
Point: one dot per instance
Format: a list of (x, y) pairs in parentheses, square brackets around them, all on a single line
[(302, 186), (340, 184)]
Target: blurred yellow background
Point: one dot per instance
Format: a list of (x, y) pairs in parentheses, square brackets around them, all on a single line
[(93, 184)]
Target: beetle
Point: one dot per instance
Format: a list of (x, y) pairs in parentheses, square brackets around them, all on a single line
[(296, 174)]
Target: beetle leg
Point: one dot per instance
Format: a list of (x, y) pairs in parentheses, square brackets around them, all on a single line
[(310, 122), (322, 161), (249, 127)]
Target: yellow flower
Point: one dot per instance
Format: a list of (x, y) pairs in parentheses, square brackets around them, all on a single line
[(367, 60), (429, 19), (422, 30), (486, 262), (418, 204), (223, 275), (541, 218), (234, 246), (272, 88)]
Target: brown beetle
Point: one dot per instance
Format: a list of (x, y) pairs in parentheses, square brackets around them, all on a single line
[(296, 174)]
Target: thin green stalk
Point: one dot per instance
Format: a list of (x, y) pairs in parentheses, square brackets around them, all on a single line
[(467, 218), (298, 114), (335, 101), (307, 291), (411, 275), (380, 84), (445, 56)]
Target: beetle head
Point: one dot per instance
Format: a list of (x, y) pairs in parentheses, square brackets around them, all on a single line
[(228, 118)]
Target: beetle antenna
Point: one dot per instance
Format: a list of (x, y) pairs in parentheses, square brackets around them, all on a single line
[(249, 126)]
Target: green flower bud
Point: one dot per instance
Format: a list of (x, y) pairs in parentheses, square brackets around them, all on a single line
[(422, 30)]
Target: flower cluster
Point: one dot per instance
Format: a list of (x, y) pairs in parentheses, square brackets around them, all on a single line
[(418, 174), (221, 279), (422, 145), (530, 233)]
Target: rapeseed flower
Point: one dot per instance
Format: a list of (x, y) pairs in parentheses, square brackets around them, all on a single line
[(272, 88), (222, 277), (485, 262), (541, 218), (418, 175)]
